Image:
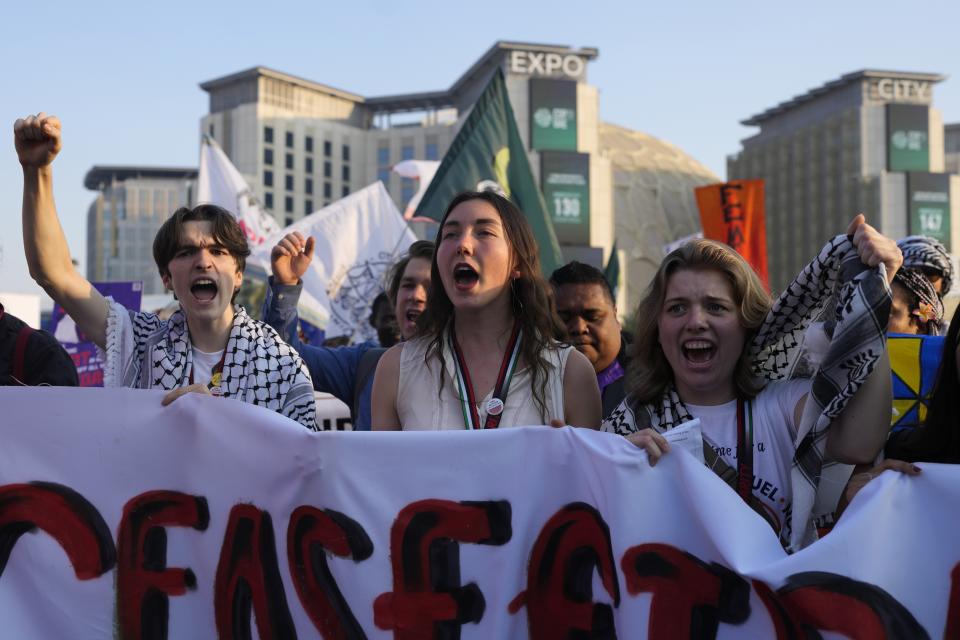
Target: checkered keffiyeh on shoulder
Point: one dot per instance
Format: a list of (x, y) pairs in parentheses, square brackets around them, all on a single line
[(859, 299), (144, 352)]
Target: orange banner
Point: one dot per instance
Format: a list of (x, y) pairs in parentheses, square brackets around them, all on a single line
[(732, 212)]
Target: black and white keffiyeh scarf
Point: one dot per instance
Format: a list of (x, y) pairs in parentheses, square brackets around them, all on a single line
[(258, 367), (924, 252), (859, 297)]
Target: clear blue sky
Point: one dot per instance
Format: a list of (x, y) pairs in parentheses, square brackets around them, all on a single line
[(123, 76)]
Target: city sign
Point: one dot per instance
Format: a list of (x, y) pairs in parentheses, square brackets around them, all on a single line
[(541, 63), (902, 90)]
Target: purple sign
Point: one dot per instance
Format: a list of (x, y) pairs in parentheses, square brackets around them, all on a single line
[(84, 353)]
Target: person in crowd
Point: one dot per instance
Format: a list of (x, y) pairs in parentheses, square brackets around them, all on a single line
[(347, 371), (916, 308), (29, 357), (938, 438), (931, 258), (587, 307), (210, 345), (384, 320), (708, 345), (485, 354)]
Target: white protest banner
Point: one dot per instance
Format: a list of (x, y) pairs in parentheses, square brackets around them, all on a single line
[(357, 239), (208, 517), (332, 413), (220, 183)]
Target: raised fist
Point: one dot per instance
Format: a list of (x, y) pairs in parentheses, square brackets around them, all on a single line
[(873, 247), (37, 139), (291, 257)]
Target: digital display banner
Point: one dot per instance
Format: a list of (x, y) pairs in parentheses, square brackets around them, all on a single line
[(908, 137), (928, 201), (553, 114), (565, 182)]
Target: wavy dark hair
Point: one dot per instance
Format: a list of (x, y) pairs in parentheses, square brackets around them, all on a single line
[(226, 231), (650, 373), (937, 439), (531, 297), (419, 249)]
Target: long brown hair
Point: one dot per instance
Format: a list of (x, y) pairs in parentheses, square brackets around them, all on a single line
[(650, 373), (531, 298)]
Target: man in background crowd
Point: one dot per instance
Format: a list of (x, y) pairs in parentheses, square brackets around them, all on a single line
[(931, 258), (586, 305)]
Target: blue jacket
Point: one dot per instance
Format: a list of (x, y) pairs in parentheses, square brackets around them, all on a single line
[(333, 369)]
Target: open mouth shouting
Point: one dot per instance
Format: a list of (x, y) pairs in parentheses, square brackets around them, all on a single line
[(203, 289), (412, 314), (465, 277), (698, 352)]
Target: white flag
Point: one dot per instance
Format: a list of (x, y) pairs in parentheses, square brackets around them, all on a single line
[(221, 184), (422, 170), (357, 239)]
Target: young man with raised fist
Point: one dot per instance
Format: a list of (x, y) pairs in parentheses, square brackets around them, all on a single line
[(210, 345)]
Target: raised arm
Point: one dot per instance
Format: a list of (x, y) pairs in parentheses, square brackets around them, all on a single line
[(859, 432), (37, 141), (289, 260)]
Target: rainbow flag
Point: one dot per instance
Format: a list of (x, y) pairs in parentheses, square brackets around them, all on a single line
[(914, 361)]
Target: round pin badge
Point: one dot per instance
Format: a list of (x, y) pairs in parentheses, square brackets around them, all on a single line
[(494, 406)]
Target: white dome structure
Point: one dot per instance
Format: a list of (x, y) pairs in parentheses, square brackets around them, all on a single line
[(653, 202)]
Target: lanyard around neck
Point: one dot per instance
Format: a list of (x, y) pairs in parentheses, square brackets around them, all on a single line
[(744, 449), (468, 401)]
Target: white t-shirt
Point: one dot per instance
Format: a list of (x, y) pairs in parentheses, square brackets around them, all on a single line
[(203, 364), (774, 436)]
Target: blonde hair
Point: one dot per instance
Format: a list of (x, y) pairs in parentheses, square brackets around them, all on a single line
[(650, 373)]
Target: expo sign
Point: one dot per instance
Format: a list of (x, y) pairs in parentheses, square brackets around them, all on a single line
[(900, 89), (546, 64)]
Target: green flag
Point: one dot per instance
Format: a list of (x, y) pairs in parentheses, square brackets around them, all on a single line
[(612, 271), (488, 153)]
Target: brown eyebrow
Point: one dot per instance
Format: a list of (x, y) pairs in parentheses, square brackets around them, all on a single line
[(476, 223), (190, 245), (707, 298)]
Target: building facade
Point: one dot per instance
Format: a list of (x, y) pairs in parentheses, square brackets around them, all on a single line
[(301, 145), (870, 141), (131, 204), (951, 147)]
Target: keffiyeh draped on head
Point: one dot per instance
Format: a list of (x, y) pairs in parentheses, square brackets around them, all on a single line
[(929, 309), (859, 299), (924, 252)]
